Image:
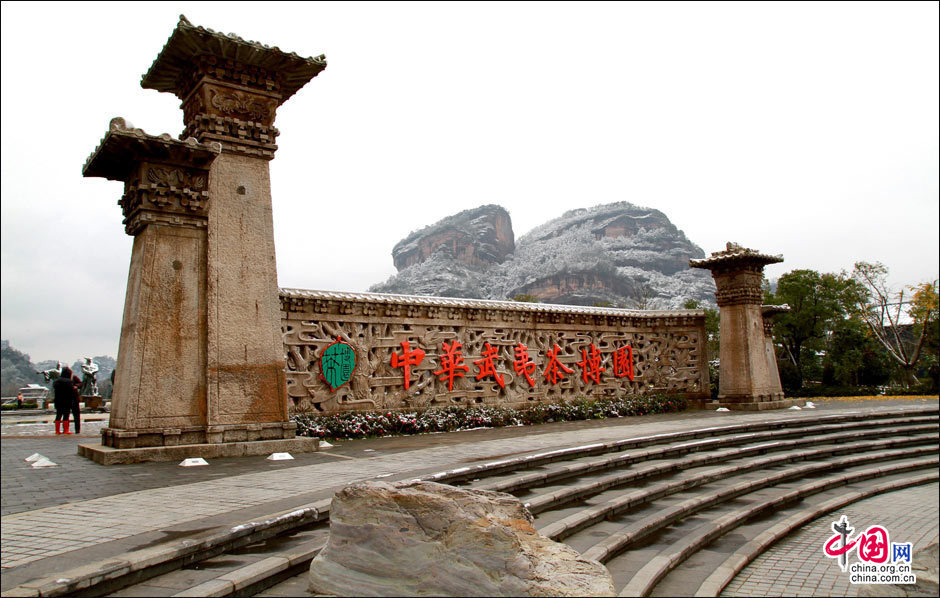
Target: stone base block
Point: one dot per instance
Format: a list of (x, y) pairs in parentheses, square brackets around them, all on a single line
[(153, 437), (758, 405), (93, 402), (106, 455)]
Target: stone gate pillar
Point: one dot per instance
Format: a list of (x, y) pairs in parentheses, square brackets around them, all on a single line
[(159, 395), (229, 90), (768, 312), (748, 377)]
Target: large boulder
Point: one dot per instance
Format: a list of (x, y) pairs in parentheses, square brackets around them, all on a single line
[(427, 539)]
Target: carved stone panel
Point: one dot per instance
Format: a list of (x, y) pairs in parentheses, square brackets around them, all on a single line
[(166, 194), (665, 358), (242, 119)]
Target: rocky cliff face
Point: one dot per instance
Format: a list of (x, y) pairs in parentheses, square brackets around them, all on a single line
[(617, 254), (478, 238)]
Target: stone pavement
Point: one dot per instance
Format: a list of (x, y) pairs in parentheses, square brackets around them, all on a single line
[(88, 512), (796, 566)]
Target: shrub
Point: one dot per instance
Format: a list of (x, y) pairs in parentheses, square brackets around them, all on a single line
[(860, 391), (369, 424), (13, 406)]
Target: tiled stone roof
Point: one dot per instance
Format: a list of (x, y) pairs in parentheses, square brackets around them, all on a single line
[(123, 147), (188, 41), (735, 253), (772, 310), (484, 304)]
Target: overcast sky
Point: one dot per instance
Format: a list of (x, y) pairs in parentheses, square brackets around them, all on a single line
[(809, 130)]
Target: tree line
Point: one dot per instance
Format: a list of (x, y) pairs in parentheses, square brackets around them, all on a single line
[(849, 333), (17, 370)]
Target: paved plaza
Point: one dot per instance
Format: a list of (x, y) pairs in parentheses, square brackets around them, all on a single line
[(80, 512), (796, 566)]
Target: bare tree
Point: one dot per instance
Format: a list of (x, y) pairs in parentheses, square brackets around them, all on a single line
[(641, 297), (882, 309)]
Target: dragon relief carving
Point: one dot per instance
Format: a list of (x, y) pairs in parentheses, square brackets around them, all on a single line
[(174, 186), (236, 103), (174, 177), (168, 195)]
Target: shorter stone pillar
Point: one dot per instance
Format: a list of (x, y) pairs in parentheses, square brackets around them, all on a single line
[(768, 312), (159, 409), (159, 395), (748, 376)]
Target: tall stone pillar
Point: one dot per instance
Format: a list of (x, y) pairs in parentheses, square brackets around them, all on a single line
[(229, 90), (748, 378)]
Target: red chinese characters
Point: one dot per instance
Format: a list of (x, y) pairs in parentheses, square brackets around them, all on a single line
[(451, 363), (554, 370), (524, 364), (832, 550), (591, 364), (623, 362), (487, 367), (407, 359), (870, 546), (873, 545)]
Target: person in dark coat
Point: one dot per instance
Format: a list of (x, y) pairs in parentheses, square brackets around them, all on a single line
[(76, 408), (64, 392)]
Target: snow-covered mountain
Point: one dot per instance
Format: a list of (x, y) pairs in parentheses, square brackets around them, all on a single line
[(617, 254)]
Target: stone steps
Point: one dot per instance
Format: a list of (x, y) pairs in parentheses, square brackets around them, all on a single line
[(237, 567), (257, 576), (595, 469), (625, 500), (753, 456), (786, 426), (579, 466), (644, 580), (691, 502), (724, 570), (554, 495)]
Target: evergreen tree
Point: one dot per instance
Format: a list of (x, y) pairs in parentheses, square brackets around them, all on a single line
[(818, 303)]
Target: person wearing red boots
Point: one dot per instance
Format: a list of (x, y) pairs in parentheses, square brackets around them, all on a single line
[(64, 393)]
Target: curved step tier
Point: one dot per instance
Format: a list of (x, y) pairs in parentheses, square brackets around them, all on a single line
[(646, 505)]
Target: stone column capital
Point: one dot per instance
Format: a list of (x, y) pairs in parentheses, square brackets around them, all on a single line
[(769, 312), (738, 273), (165, 181), (229, 87)]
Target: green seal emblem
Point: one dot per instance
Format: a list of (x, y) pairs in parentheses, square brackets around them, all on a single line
[(337, 363)]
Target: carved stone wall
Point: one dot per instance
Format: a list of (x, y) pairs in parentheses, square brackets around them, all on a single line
[(668, 351)]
